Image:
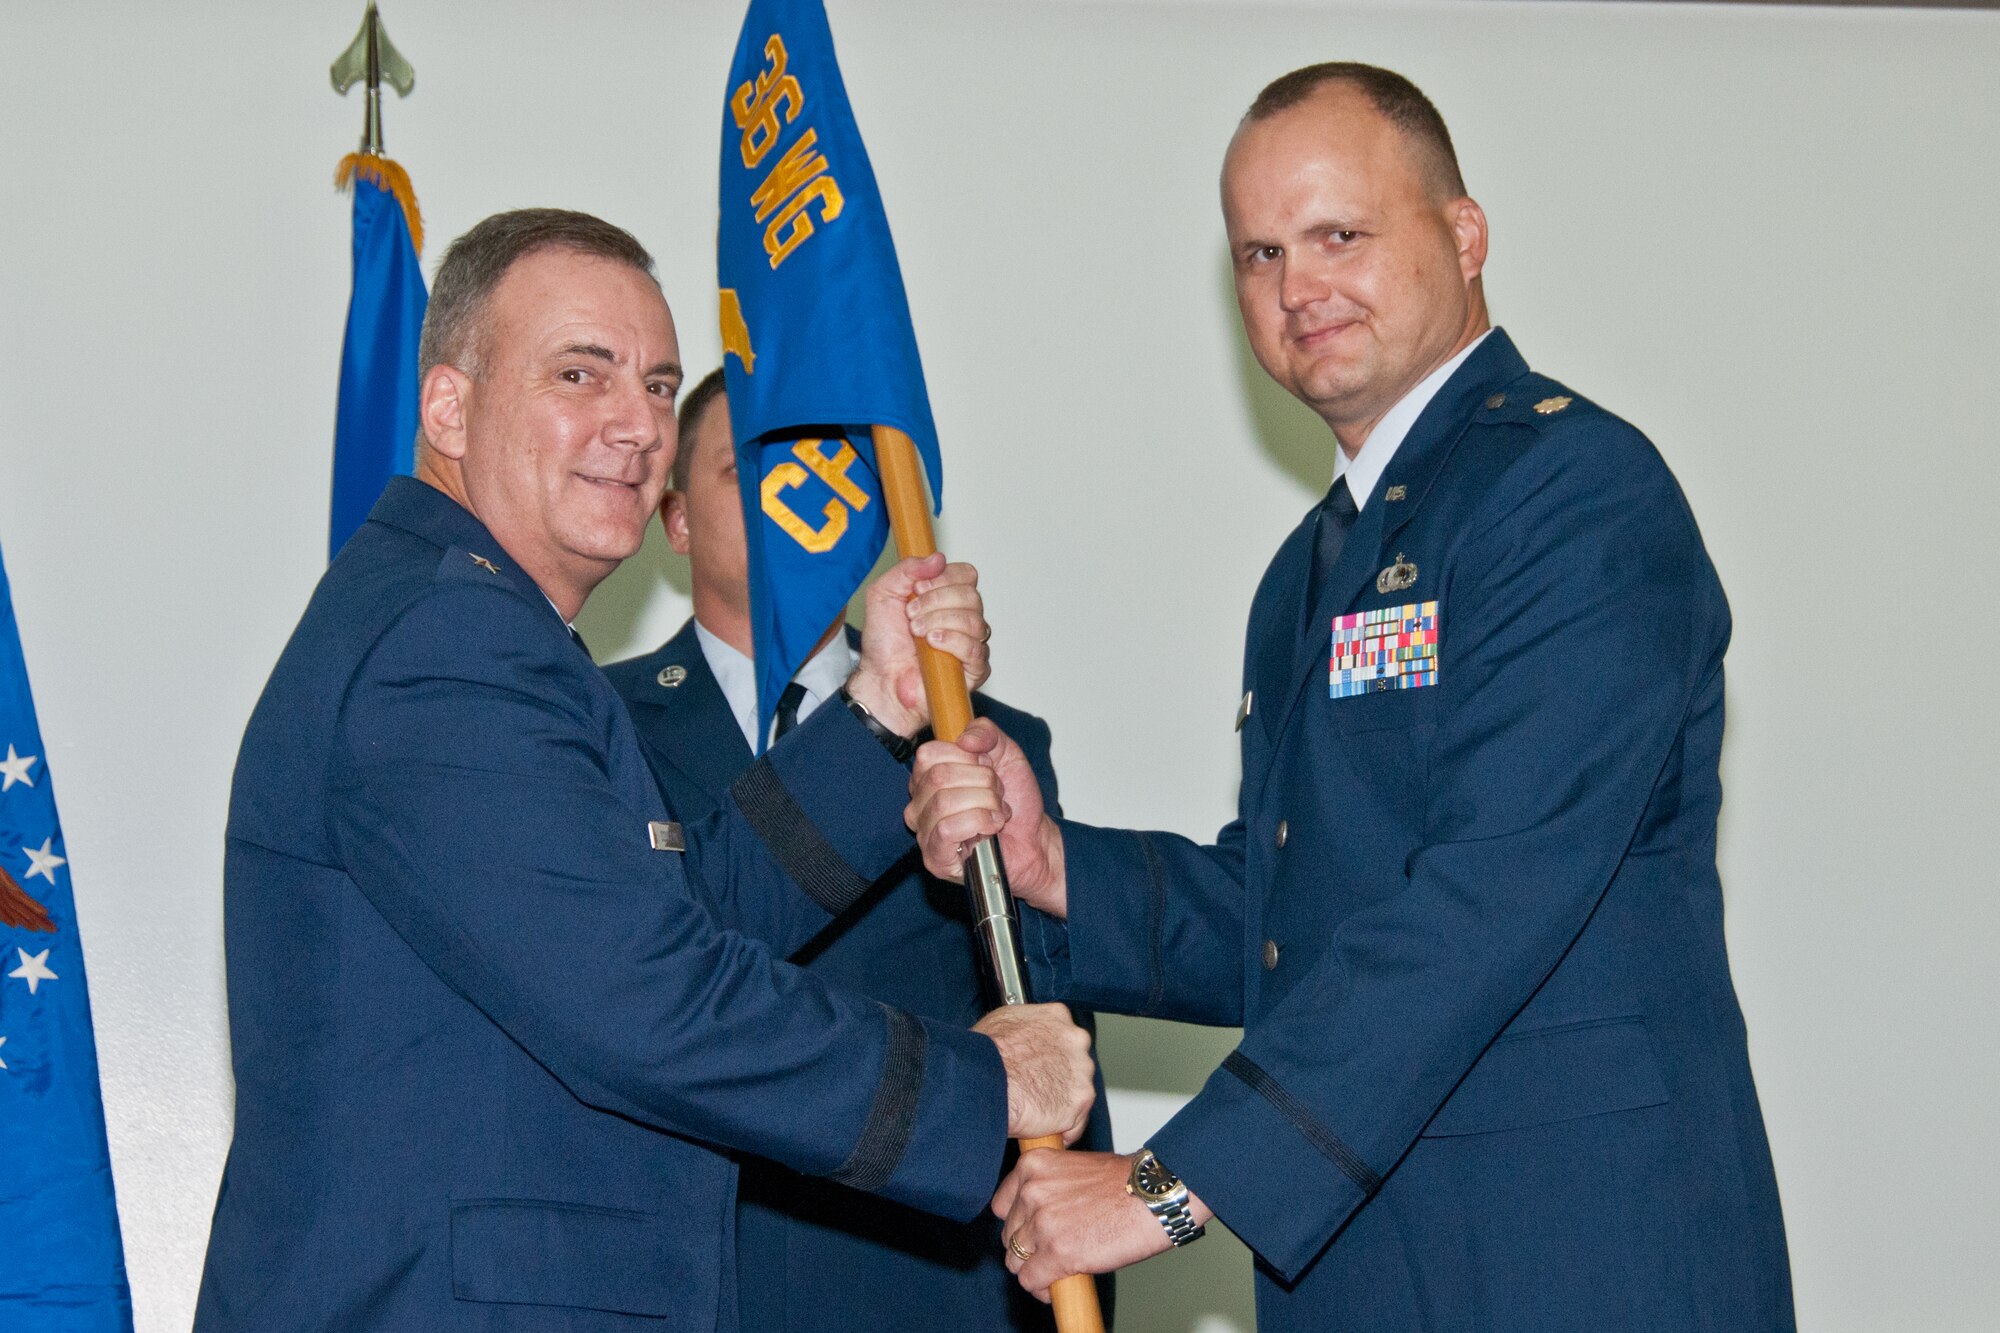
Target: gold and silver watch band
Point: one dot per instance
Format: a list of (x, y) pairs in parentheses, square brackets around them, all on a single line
[(1179, 1222), (1165, 1197)]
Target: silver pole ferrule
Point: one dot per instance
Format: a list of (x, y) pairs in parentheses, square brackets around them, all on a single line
[(994, 921)]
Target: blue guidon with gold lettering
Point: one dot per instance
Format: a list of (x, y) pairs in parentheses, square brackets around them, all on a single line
[(816, 334)]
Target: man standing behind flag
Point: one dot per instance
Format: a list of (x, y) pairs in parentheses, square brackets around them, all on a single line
[(62, 1267), (494, 1014), (812, 1254), (821, 362)]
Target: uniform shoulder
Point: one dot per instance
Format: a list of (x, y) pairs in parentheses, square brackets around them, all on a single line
[(1540, 418), (1540, 403), (1541, 455), (476, 599), (479, 569)]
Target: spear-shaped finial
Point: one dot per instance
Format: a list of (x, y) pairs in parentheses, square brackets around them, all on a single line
[(374, 58)]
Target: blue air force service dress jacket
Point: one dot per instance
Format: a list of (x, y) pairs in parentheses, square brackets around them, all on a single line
[(813, 1254), (1493, 1074), (491, 1033)]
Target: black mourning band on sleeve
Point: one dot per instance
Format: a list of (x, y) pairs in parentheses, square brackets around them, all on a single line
[(807, 858), (1296, 1111), (892, 1119)]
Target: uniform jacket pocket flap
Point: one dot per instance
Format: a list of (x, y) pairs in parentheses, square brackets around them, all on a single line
[(1379, 710), (530, 1252), (1565, 1073)]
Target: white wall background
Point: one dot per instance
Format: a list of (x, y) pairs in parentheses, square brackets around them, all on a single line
[(1763, 234)]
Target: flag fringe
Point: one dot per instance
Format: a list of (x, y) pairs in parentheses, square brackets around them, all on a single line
[(387, 174)]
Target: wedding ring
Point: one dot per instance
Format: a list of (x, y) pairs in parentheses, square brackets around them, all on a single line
[(1014, 1244)]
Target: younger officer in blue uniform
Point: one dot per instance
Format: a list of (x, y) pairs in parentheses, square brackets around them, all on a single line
[(1493, 1074), (812, 1254), (493, 1014)]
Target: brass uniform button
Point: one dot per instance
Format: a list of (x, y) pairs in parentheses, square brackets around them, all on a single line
[(1284, 832), (1270, 955), (1496, 402)]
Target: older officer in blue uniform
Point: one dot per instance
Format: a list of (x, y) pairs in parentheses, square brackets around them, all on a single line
[(814, 1254), (1493, 1074), (495, 1014)]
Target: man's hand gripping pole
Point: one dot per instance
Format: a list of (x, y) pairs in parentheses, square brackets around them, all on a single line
[(903, 490)]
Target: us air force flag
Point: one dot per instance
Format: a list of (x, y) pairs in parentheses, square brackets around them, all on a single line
[(375, 431), (62, 1268), (816, 335)]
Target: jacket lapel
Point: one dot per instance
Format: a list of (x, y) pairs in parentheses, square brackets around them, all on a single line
[(1418, 461), (1352, 572), (1493, 367), (689, 725), (1275, 616)]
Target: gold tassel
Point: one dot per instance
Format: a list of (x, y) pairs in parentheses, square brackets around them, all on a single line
[(387, 174)]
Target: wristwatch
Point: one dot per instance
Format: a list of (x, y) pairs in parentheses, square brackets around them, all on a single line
[(901, 748), (1165, 1197)]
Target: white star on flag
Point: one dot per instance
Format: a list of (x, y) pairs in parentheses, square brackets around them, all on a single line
[(34, 970), (43, 862), (14, 768)]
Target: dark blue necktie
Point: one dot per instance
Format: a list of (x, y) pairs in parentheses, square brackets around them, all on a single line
[(788, 710), (1336, 516)]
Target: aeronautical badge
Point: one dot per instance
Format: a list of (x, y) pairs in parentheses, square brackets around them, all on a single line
[(1397, 577), (1391, 648), (484, 563), (670, 678)]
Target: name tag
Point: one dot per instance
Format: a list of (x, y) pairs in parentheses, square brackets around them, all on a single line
[(1393, 648), (666, 836)]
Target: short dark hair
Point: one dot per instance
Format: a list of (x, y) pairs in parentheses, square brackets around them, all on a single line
[(455, 324), (1399, 101), (693, 407)]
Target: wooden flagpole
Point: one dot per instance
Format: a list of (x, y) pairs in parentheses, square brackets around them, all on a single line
[(903, 490)]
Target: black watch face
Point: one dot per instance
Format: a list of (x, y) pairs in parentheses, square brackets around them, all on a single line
[(1154, 1181)]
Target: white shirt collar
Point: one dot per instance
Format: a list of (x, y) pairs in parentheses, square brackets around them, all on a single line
[(1366, 467), (569, 625), (822, 675)]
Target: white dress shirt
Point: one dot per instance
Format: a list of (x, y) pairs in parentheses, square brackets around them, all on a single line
[(1366, 467), (822, 675), (569, 625)]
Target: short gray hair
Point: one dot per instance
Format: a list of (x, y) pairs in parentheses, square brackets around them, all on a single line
[(455, 322)]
